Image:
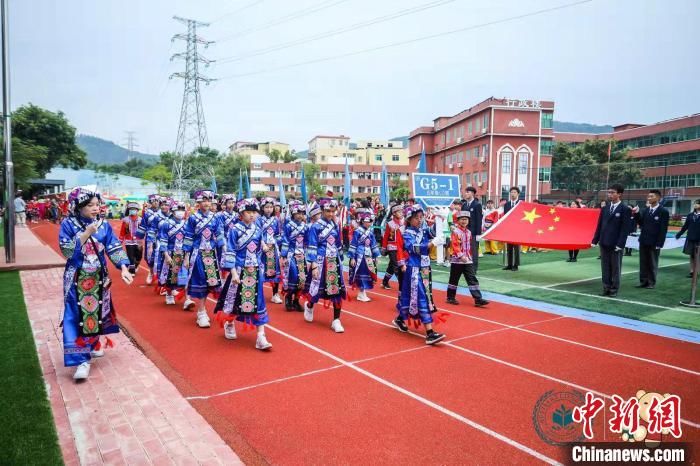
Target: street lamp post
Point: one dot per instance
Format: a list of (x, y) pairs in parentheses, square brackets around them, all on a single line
[(7, 139)]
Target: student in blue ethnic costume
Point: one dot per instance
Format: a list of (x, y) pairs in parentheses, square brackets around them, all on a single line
[(242, 298), (204, 239), (148, 236), (325, 258), (227, 216), (363, 253), (293, 252), (161, 216), (171, 241), (416, 297), (87, 241), (270, 227)]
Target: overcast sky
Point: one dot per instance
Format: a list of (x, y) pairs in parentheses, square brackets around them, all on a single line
[(105, 63)]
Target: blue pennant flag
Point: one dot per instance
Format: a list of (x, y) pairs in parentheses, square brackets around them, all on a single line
[(385, 195), (283, 197), (213, 185), (422, 164), (240, 184), (304, 197), (347, 196), (247, 185)]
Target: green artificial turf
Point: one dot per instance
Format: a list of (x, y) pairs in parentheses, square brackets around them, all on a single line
[(546, 276), (27, 431)]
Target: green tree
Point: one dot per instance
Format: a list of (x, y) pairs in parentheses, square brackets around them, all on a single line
[(399, 189), (313, 186), (38, 127), (289, 156), (228, 172), (274, 155), (159, 175), (26, 158)]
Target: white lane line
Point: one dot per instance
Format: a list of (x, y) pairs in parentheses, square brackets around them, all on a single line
[(263, 384), (420, 399), (565, 340), (578, 293), (510, 364)]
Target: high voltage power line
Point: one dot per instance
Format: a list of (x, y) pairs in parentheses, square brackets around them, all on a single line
[(294, 15), (334, 32), (410, 41), (238, 10)]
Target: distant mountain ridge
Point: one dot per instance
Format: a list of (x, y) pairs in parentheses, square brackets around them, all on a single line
[(106, 152), (567, 127)]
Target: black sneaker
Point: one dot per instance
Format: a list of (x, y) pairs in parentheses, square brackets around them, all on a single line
[(452, 301), (434, 338), (298, 307), (400, 324), (385, 286), (480, 303)]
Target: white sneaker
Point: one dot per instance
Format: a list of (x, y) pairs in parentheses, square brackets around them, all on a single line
[(261, 343), (189, 305), (170, 299), (308, 313), (203, 319), (149, 278), (230, 331), (276, 299), (82, 371), (337, 326), (97, 353), (362, 296)]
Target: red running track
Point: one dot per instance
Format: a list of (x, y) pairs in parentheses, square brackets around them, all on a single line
[(374, 395)]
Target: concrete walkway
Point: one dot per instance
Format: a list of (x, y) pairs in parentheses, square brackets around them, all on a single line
[(30, 253), (127, 412)]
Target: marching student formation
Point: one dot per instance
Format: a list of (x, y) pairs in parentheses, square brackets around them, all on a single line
[(227, 250)]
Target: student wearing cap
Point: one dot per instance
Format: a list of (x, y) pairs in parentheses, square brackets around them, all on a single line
[(242, 298), (147, 235), (171, 240), (416, 295), (363, 253), (293, 255), (325, 258), (270, 227), (392, 243), (128, 235), (462, 262), (204, 239), (162, 215)]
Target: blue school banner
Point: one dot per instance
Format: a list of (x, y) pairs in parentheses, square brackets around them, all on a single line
[(434, 190)]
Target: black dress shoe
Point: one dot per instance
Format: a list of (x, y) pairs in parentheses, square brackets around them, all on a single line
[(641, 285), (480, 302), (452, 301), (508, 267), (612, 295), (514, 269), (649, 287), (690, 275), (605, 293)]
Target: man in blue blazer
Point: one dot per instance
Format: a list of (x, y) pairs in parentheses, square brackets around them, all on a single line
[(614, 225), (653, 222)]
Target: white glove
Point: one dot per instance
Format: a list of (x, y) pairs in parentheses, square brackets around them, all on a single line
[(618, 249), (478, 238)]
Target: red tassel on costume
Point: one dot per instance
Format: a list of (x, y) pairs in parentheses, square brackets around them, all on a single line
[(97, 345), (326, 304), (156, 289), (180, 294), (221, 317), (109, 343), (441, 317)]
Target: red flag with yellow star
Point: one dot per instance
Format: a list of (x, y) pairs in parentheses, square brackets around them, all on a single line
[(546, 226)]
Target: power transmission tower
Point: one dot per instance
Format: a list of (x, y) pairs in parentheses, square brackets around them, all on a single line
[(130, 144), (192, 131)]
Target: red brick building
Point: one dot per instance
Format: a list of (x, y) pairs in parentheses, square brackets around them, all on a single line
[(492, 146), (668, 154)]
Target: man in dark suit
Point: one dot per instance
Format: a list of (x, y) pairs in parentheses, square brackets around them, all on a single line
[(512, 250), (476, 212), (692, 241), (614, 225), (653, 222)]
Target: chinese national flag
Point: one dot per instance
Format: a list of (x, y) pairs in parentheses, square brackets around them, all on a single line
[(545, 226)]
